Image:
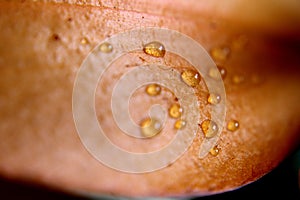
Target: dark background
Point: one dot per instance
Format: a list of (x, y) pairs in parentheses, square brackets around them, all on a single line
[(281, 183)]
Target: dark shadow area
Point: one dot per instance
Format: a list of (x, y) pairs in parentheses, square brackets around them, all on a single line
[(10, 189), (281, 183)]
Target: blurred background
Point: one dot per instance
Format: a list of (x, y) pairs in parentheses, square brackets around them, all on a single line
[(281, 183)]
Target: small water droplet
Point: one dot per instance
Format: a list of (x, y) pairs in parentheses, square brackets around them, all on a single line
[(175, 111), (213, 98), (150, 127), (191, 77), (84, 41), (216, 72), (215, 150), (153, 89), (155, 49), (106, 47), (233, 125), (179, 124), (209, 128), (220, 54), (222, 71)]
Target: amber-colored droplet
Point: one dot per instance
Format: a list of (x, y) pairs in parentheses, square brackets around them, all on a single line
[(175, 111), (216, 72), (84, 41), (215, 150), (222, 71), (220, 54), (233, 125), (191, 77), (155, 49), (150, 127), (209, 128), (213, 98), (179, 124), (106, 47), (153, 89), (237, 79)]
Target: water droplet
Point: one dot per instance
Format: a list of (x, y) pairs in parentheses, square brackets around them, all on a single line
[(84, 41), (222, 71), (150, 127), (209, 128), (216, 72), (106, 47), (215, 150), (220, 54), (237, 79), (179, 124), (153, 89), (213, 98), (175, 111), (233, 125), (155, 49), (191, 77)]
